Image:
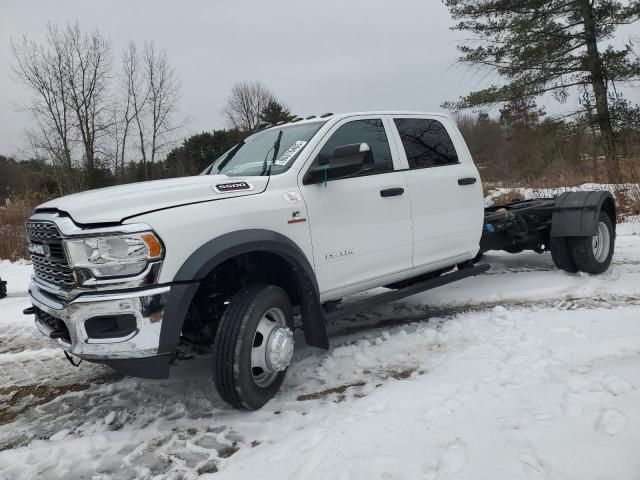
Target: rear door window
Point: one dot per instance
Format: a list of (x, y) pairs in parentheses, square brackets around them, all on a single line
[(426, 143)]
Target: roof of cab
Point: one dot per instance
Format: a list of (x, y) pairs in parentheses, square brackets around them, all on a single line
[(375, 112), (340, 116)]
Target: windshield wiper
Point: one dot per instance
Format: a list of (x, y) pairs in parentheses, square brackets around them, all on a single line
[(229, 157), (276, 149)]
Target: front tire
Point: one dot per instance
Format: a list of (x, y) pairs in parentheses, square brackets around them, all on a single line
[(253, 346), (593, 254)]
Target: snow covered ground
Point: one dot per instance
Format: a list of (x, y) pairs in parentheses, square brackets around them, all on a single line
[(630, 190), (527, 372)]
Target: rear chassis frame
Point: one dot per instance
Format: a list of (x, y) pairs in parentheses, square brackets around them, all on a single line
[(518, 226), (530, 224)]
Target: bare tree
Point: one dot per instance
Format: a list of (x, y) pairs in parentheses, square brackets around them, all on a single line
[(68, 75), (162, 99), (153, 91), (246, 103), (115, 139), (87, 66), (127, 105), (41, 68), (80, 117)]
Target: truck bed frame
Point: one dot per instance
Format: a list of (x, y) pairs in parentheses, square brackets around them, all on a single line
[(530, 224)]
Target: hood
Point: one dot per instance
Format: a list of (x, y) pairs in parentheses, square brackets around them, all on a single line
[(114, 204)]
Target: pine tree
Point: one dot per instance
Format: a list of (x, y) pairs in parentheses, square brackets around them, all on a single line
[(274, 112), (540, 46)]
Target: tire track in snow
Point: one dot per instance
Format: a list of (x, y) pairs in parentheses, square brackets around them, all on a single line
[(368, 321), (187, 447)]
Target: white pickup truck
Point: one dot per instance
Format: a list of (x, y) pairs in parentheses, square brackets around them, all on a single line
[(273, 235)]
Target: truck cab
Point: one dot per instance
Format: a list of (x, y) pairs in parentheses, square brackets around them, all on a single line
[(276, 230), (377, 225)]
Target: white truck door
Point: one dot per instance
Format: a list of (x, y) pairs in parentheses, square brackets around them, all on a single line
[(447, 203), (360, 225)]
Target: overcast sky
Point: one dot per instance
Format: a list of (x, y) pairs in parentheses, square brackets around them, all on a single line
[(320, 56)]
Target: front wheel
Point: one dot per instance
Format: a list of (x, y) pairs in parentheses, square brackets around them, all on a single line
[(254, 346)]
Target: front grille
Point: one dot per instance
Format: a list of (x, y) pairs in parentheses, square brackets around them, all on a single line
[(44, 231), (51, 266), (54, 324), (56, 273)]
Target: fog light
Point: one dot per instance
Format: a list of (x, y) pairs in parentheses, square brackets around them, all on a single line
[(110, 326)]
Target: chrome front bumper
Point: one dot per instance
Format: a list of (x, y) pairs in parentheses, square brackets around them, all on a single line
[(146, 305)]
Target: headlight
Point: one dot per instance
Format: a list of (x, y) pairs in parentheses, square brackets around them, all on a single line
[(114, 256)]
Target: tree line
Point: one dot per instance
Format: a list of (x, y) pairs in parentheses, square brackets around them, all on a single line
[(100, 118), (89, 113), (92, 126), (555, 47), (524, 145)]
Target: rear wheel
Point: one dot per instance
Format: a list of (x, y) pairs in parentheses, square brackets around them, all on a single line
[(253, 346), (561, 254), (593, 254)]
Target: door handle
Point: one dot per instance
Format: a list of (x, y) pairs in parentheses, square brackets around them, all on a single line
[(467, 181), (391, 192)]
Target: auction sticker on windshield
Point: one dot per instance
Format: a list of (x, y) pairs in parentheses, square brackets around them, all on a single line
[(290, 153)]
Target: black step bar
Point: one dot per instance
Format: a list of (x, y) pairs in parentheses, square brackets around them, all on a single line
[(392, 296)]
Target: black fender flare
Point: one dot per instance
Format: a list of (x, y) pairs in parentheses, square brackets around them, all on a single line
[(213, 253), (576, 214)]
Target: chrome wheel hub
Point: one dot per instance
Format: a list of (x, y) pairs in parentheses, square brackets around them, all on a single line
[(601, 243), (273, 347), (279, 349)]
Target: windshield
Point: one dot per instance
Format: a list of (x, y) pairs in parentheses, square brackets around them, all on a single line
[(254, 156)]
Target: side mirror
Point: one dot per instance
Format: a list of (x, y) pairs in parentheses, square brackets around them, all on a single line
[(346, 161)]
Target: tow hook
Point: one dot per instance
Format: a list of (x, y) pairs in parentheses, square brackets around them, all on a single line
[(57, 334), (71, 360)]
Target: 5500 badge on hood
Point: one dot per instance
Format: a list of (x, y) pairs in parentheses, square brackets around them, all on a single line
[(232, 187)]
